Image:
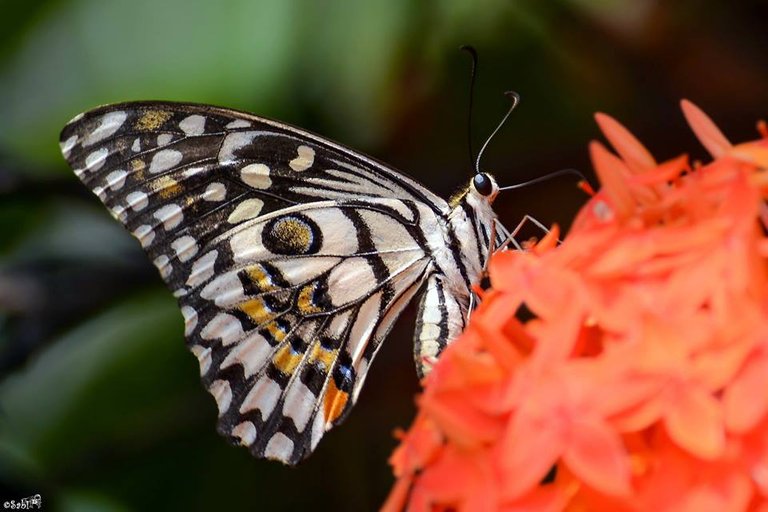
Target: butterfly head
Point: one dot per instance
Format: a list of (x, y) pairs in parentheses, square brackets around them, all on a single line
[(484, 186)]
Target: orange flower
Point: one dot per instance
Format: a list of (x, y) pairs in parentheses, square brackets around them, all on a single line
[(635, 379)]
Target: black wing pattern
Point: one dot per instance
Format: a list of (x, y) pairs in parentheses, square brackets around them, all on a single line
[(290, 256)]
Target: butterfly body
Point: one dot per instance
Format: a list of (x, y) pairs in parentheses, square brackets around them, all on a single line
[(291, 256)]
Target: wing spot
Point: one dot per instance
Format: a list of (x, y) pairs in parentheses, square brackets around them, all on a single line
[(238, 123), (286, 359), (202, 269), (163, 264), (190, 319), (138, 165), (259, 277), (215, 192), (292, 235), (185, 247), (164, 138), (247, 209), (170, 215), (152, 120), (136, 146), (145, 234), (222, 393), (95, 160), (68, 145), (137, 200), (280, 447), (275, 332), (299, 405), (165, 159), (232, 143), (246, 431), (256, 176), (335, 401), (193, 125), (250, 353), (263, 396), (166, 187), (304, 159), (322, 357), (108, 125), (118, 212), (203, 355), (116, 179), (225, 327), (257, 310)]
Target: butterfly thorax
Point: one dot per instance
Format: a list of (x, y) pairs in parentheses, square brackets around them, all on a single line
[(459, 260)]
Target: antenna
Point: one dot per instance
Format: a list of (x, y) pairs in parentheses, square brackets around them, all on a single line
[(473, 77), (515, 99), (546, 177)]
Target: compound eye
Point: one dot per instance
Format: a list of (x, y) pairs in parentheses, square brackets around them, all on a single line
[(482, 184)]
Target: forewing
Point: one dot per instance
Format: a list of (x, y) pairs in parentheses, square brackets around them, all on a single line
[(290, 256)]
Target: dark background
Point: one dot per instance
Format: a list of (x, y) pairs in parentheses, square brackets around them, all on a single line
[(100, 405)]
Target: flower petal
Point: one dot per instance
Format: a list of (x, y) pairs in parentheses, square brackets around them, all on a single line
[(705, 129), (694, 421), (636, 156), (595, 453)]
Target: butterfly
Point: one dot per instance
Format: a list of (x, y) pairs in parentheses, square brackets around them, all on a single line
[(291, 256)]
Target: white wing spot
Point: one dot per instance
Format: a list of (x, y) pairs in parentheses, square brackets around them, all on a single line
[(222, 393), (224, 326), (193, 125), (164, 138), (246, 431), (108, 125), (116, 179), (137, 200), (318, 429), (190, 319), (202, 268), (67, 145), (215, 192), (232, 143), (99, 191), (163, 264), (263, 396), (238, 123), (170, 215), (164, 160), (118, 212), (203, 358), (193, 171), (280, 447), (247, 209), (95, 161), (185, 248), (256, 176), (298, 405), (144, 233), (250, 353), (304, 159), (136, 146)]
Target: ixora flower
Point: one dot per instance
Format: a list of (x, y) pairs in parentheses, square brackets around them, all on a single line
[(625, 369)]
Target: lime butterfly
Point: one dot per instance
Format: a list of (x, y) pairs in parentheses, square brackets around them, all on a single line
[(291, 256)]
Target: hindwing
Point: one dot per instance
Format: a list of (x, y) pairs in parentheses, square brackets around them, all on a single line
[(290, 256)]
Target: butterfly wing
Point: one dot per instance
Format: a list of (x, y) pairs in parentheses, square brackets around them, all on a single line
[(290, 256)]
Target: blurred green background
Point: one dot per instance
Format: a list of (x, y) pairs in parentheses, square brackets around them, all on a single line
[(100, 404)]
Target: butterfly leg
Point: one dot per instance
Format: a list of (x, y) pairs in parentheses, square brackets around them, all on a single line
[(511, 238)]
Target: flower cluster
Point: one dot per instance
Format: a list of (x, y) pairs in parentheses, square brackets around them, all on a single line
[(625, 369)]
